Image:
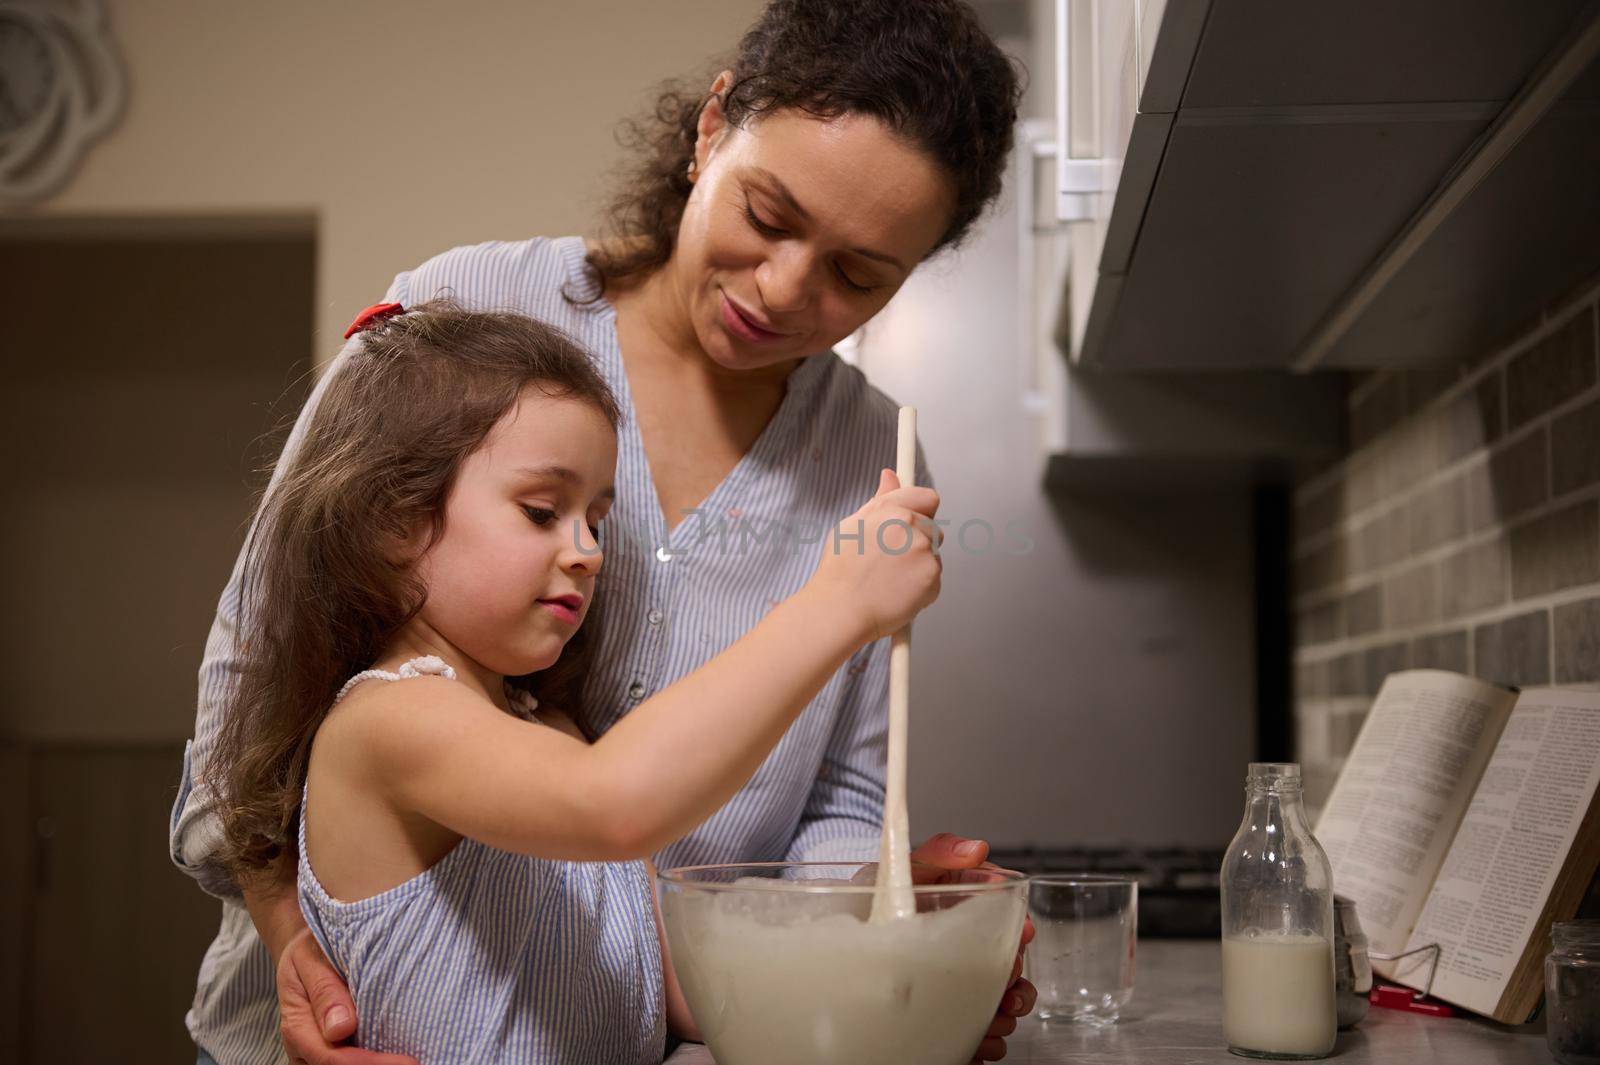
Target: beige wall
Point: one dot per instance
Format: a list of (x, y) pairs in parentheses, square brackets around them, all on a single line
[(405, 127), (398, 129)]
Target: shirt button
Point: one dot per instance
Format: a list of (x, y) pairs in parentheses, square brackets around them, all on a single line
[(662, 554), (636, 690), (655, 617)]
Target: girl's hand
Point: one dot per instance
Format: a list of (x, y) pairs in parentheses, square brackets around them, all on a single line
[(881, 566)]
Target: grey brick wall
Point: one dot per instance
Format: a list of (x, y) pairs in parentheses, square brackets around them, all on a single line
[(1461, 531)]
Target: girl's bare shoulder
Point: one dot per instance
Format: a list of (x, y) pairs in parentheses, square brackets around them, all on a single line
[(388, 723)]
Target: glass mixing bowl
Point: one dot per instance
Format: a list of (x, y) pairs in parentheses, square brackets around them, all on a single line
[(780, 965)]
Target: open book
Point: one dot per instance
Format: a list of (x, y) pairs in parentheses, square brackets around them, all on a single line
[(1466, 816)]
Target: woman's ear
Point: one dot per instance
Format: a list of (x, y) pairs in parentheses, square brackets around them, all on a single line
[(713, 122)]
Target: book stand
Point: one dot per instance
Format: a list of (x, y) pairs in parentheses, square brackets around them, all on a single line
[(1433, 964), (1404, 998)]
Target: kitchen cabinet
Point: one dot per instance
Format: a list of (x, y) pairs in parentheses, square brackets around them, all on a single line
[(1119, 77), (1255, 231), (1292, 187)]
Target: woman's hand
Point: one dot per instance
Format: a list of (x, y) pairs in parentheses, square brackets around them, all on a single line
[(881, 565), (315, 1011), (950, 854)]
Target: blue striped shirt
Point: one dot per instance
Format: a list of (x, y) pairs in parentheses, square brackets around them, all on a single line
[(497, 958), (671, 604)]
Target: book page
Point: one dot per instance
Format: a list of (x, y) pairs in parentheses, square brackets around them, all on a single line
[(1403, 790), (1510, 848)]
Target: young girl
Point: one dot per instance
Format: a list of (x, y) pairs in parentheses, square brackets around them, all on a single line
[(468, 858)]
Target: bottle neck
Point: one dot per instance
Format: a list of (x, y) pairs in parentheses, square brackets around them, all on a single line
[(1275, 786), (1279, 806), (1287, 794)]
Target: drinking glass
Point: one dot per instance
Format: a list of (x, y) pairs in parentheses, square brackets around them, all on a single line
[(1081, 958)]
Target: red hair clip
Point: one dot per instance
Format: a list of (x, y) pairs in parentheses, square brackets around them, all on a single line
[(370, 317)]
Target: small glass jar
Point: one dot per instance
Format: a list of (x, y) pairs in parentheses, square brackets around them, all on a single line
[(1277, 926), (1572, 992)]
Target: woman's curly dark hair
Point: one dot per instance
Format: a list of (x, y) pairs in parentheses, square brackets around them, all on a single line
[(925, 68)]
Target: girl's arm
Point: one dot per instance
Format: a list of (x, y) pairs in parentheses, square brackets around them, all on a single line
[(679, 1020), (436, 749)]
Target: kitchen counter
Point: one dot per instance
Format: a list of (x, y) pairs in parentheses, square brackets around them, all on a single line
[(1176, 1019)]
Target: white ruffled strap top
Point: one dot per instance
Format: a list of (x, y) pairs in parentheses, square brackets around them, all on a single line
[(523, 704)]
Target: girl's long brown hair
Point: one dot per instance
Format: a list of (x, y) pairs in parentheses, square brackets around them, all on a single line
[(322, 595)]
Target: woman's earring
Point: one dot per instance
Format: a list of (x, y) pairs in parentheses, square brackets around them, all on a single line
[(691, 170)]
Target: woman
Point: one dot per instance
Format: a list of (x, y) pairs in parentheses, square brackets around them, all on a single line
[(774, 214)]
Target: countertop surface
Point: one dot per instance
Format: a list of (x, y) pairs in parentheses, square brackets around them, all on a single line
[(1175, 1018)]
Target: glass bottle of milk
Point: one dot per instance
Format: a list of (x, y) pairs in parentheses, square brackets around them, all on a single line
[(1277, 925)]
